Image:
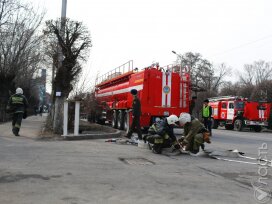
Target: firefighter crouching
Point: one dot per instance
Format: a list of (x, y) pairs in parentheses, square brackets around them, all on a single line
[(195, 134), (161, 134), (17, 106)]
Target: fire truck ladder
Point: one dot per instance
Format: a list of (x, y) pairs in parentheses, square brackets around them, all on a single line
[(183, 90), (184, 94), (221, 98)]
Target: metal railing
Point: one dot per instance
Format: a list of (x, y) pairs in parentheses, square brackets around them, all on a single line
[(176, 68), (124, 68), (218, 98)]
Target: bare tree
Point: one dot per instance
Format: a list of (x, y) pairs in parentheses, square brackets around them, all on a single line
[(262, 91), (86, 83), (192, 62), (247, 78), (263, 71), (19, 45), (221, 71), (74, 44), (7, 9), (203, 74), (229, 89), (246, 91), (256, 73)]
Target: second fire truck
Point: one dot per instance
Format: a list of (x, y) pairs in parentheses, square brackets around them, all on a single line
[(235, 112)]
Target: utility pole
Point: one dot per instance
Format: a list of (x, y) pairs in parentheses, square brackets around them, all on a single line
[(59, 55), (64, 8), (57, 118), (62, 29)]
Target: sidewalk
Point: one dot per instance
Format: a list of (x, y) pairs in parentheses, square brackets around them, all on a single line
[(31, 127)]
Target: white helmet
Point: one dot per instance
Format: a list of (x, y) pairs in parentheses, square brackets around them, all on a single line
[(184, 118), (172, 119), (19, 91)]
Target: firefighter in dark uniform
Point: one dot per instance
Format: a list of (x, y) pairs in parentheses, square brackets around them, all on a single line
[(192, 105), (207, 115), (161, 134), (136, 114), (17, 105)]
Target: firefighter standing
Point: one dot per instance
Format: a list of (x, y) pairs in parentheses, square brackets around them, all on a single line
[(194, 133), (192, 105), (136, 114), (161, 134), (207, 115), (17, 105), (41, 110)]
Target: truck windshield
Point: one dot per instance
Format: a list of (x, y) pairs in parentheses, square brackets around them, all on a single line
[(239, 104)]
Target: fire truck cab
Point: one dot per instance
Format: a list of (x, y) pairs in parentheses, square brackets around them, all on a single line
[(236, 112)]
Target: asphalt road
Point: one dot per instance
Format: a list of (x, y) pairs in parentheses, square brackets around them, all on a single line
[(94, 171)]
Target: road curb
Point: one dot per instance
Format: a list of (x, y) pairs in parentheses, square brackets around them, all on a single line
[(92, 136)]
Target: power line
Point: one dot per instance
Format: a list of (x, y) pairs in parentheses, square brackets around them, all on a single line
[(242, 45)]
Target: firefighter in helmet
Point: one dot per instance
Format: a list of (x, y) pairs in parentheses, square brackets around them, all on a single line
[(195, 134), (136, 114), (161, 134), (17, 106)]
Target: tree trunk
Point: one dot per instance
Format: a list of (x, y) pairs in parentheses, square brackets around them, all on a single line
[(58, 115)]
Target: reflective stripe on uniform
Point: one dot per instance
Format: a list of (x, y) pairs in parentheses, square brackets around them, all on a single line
[(158, 141), (165, 136), (17, 100)]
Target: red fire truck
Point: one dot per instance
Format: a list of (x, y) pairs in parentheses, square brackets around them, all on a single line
[(162, 91), (236, 112)]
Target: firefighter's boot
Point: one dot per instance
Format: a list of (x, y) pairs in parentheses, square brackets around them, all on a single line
[(15, 131), (157, 148), (202, 147)]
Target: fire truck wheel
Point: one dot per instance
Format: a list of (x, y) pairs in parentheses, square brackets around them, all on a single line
[(100, 121), (238, 125), (214, 124), (114, 119), (257, 128), (126, 122), (120, 120), (229, 127), (97, 119)]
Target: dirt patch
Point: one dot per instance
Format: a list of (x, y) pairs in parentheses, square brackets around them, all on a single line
[(10, 178), (84, 128), (47, 134)]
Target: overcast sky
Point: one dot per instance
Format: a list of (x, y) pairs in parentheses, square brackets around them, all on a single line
[(235, 32)]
